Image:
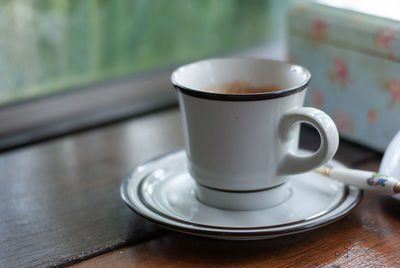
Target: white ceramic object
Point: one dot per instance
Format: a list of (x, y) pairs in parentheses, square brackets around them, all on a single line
[(162, 191), (247, 142), (390, 164), (371, 181)]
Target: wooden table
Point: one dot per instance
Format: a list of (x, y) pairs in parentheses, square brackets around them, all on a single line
[(60, 205)]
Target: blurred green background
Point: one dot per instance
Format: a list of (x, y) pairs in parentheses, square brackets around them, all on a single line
[(48, 46)]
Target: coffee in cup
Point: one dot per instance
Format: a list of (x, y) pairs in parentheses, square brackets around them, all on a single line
[(240, 87)]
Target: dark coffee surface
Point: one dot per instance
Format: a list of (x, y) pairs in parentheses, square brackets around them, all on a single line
[(241, 87)]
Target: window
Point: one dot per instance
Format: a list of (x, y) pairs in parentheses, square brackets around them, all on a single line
[(91, 56)]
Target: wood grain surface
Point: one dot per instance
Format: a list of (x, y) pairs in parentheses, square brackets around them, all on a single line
[(60, 200), (60, 204)]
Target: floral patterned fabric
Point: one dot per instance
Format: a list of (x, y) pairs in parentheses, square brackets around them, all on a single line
[(354, 59)]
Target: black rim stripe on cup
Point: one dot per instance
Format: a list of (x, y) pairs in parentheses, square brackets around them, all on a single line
[(241, 192), (240, 97), (243, 97)]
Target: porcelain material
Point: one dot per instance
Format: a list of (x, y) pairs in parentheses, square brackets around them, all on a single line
[(163, 191), (252, 200), (247, 142), (390, 164), (374, 182)]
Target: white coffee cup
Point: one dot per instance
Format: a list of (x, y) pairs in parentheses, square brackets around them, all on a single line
[(241, 148)]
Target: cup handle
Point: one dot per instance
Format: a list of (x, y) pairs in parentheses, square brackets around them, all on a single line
[(293, 163)]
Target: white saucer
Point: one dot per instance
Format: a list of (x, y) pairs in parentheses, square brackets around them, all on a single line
[(162, 191)]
